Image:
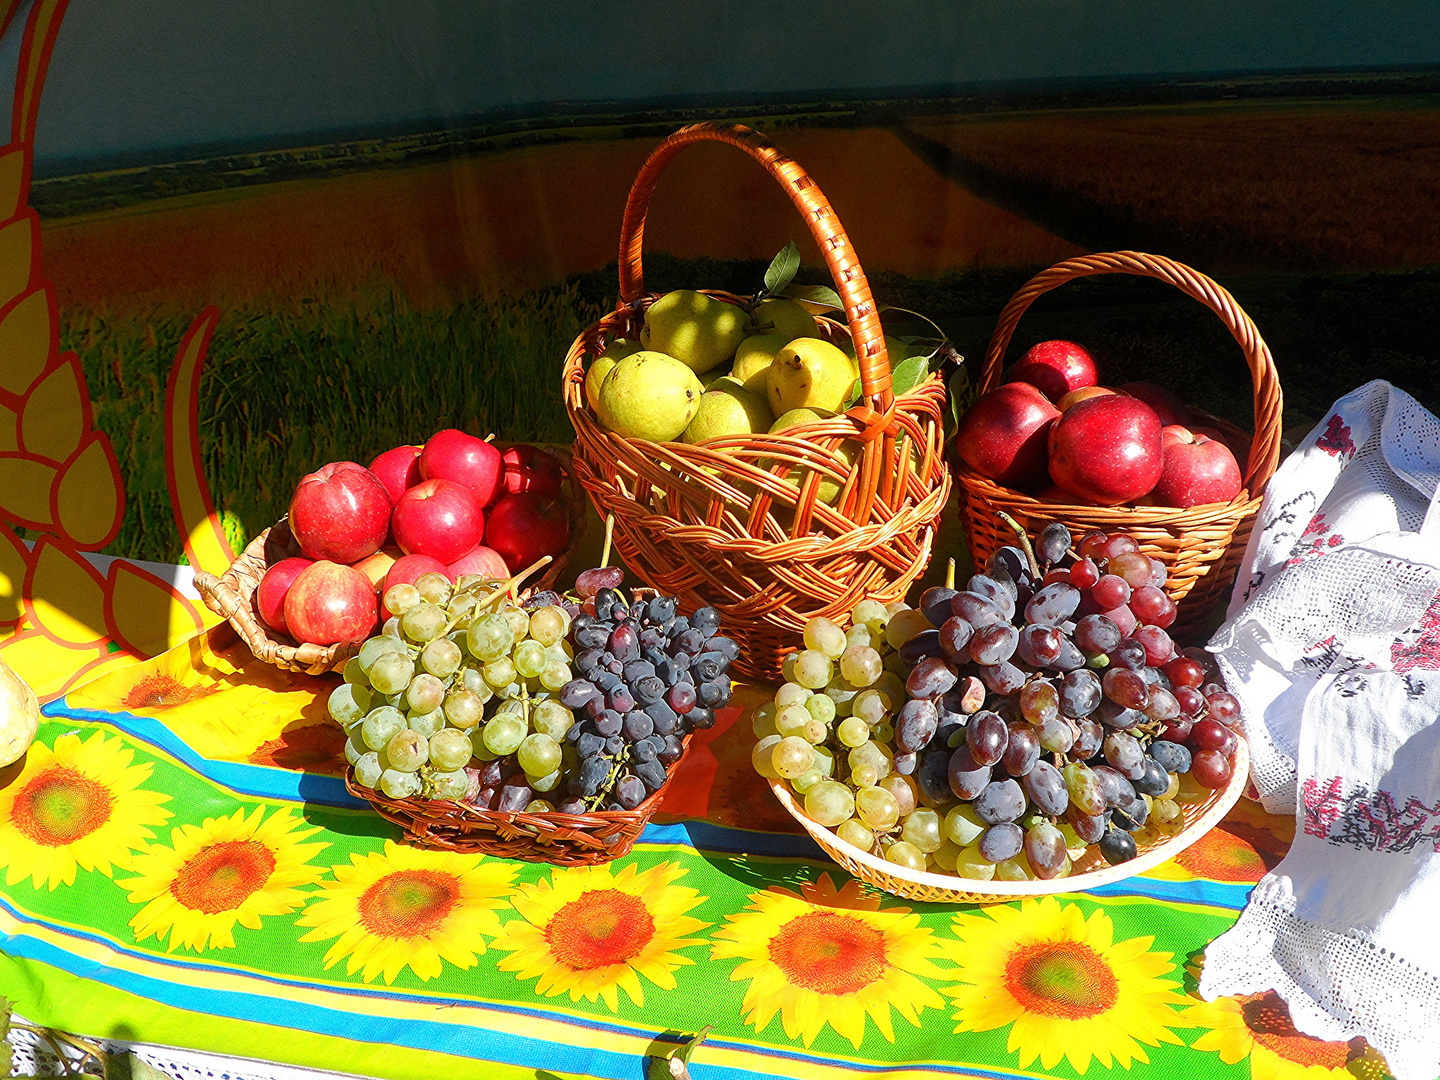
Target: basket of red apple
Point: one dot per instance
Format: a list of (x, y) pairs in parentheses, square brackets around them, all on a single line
[(1049, 444), (309, 590)]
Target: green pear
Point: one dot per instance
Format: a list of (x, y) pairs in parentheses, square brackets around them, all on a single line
[(19, 717), (753, 359), (727, 408), (649, 395), (790, 319), (698, 330), (809, 374), (829, 489), (616, 349)]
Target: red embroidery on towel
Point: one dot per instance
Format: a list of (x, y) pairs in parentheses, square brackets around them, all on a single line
[(1336, 438), (1371, 819), (1419, 647)]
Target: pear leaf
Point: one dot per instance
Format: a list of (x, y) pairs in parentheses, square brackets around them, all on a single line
[(820, 295), (688, 1050), (852, 397), (782, 268), (961, 394), (906, 311), (907, 374)]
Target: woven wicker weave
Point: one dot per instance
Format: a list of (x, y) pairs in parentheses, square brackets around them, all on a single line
[(553, 837), (1090, 873), (1201, 547), (735, 522), (232, 595)]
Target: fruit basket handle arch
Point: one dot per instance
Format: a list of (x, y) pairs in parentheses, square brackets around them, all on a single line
[(850, 282), (1265, 445)]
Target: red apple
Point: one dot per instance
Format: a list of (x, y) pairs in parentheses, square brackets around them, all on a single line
[(439, 518), (483, 561), (1055, 368), (1106, 449), (528, 468), (1003, 436), (340, 513), (398, 470), (1195, 469), (1166, 403), (270, 593), (522, 529), (470, 462), (1074, 397), (376, 566), (329, 603)]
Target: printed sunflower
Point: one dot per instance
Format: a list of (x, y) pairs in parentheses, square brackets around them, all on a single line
[(76, 805), (409, 908), (1063, 984), (592, 932), (1258, 1026), (227, 870), (829, 956)]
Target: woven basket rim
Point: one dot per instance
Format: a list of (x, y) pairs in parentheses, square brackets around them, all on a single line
[(1209, 814)]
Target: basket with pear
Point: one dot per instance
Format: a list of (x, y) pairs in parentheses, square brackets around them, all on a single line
[(758, 454)]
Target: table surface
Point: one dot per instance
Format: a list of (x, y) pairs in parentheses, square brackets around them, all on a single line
[(184, 867)]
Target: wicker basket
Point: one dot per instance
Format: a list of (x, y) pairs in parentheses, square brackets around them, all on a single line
[(1090, 873), (717, 523), (563, 839), (1201, 547), (231, 596)]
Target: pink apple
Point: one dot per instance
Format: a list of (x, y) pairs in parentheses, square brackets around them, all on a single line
[(522, 529), (376, 566), (1166, 403), (482, 560), (340, 513), (470, 462), (528, 468), (1055, 368), (1074, 397), (439, 518), (1107, 449), (270, 593), (1195, 469), (1003, 436), (328, 603), (398, 470)]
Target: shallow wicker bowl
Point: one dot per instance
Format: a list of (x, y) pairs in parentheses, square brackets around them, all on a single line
[(1091, 872), (232, 594), (1202, 546), (562, 839)]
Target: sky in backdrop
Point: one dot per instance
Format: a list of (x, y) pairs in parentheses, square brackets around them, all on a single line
[(156, 76)]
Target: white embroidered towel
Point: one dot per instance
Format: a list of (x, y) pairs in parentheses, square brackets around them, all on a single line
[(1334, 650)]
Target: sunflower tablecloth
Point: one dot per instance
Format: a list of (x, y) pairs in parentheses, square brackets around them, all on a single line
[(183, 866)]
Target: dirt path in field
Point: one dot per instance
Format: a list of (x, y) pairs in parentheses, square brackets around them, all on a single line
[(520, 219)]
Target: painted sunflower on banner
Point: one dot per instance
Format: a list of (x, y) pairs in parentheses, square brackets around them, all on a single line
[(1258, 1027), (78, 804), (226, 870), (1063, 984), (828, 956), (408, 908), (593, 932)]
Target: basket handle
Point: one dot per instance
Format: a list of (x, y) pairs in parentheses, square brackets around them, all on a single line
[(860, 309), (1265, 446)]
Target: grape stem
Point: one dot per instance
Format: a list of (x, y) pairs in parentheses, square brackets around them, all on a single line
[(1016, 528), (950, 575), (609, 536)]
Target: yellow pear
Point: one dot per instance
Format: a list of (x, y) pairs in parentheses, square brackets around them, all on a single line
[(753, 359), (727, 408), (789, 318), (829, 489), (649, 395), (698, 330), (19, 716), (615, 350), (809, 374)]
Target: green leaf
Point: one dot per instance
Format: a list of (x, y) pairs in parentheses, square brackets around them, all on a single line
[(891, 307), (687, 1051), (852, 397), (960, 392), (908, 374), (782, 268), (814, 294)]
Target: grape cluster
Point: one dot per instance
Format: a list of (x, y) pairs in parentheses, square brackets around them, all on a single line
[(997, 731), (645, 677)]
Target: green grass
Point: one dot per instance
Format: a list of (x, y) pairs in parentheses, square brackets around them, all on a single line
[(287, 389)]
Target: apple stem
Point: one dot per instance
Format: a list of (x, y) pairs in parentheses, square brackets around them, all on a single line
[(1024, 542), (609, 535), (950, 575)]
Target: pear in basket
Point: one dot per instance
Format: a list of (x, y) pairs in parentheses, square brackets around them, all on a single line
[(698, 330), (785, 318), (829, 489), (615, 351), (649, 395), (19, 716), (727, 408), (809, 374)]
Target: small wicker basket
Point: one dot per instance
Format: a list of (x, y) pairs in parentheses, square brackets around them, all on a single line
[(232, 595), (553, 837), (1201, 547), (736, 522), (1090, 873)]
